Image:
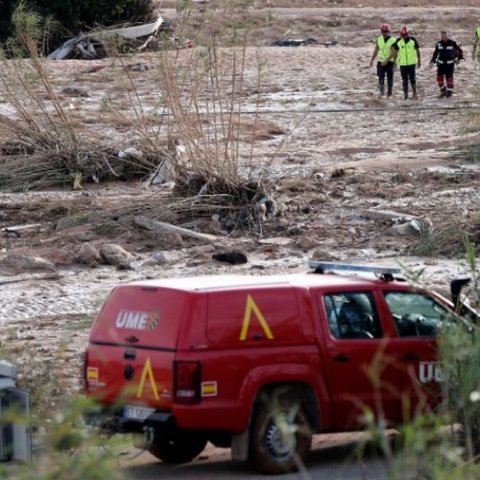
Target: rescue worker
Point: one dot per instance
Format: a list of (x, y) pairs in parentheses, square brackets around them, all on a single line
[(385, 63), (447, 53), (476, 42), (406, 52)]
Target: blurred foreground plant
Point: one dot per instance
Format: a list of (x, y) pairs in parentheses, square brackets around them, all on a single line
[(66, 450), (444, 443)]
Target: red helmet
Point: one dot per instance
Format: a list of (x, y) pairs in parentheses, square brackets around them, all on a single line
[(404, 31), (385, 28)]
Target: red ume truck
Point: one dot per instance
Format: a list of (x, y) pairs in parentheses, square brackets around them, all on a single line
[(261, 363)]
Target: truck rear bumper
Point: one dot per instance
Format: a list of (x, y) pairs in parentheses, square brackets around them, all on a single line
[(115, 422)]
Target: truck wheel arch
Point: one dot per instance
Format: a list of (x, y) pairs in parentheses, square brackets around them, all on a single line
[(305, 394), (309, 402)]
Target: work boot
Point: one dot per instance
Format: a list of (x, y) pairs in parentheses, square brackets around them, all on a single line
[(443, 92), (448, 93)]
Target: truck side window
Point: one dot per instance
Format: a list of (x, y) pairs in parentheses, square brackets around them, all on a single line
[(352, 315), (415, 314)]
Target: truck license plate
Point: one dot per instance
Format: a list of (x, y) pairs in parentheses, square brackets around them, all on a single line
[(137, 413)]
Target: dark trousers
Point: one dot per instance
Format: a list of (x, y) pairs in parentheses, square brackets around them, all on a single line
[(382, 71), (408, 74), (445, 75)]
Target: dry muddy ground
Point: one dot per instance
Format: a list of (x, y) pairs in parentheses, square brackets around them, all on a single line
[(339, 161)]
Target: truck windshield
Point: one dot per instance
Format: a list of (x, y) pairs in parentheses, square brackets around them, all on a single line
[(416, 314)]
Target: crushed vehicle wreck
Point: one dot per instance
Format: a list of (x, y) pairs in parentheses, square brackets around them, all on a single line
[(260, 364), (92, 45)]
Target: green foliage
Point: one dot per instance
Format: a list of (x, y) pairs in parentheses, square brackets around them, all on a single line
[(443, 444), (30, 31), (27, 22), (460, 355), (7, 8), (77, 15), (71, 450)]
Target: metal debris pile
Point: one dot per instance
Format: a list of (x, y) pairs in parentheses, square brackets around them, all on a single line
[(97, 44)]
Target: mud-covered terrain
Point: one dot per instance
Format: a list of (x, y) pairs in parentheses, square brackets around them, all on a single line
[(353, 177)]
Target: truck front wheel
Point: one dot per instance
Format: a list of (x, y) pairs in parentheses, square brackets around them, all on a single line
[(280, 438), (177, 448)]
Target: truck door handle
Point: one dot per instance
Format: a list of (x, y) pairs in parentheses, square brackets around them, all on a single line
[(341, 357), (410, 357)]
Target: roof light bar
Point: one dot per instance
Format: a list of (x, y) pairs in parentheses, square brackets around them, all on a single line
[(378, 269)]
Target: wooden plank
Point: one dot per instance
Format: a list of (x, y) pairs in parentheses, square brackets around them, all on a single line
[(184, 232)]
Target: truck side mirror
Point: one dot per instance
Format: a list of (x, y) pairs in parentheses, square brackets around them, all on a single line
[(456, 286), (464, 310)]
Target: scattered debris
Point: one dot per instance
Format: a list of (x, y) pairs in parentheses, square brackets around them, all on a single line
[(233, 257), (290, 42), (422, 225), (18, 230), (76, 90), (158, 258), (115, 255), (92, 46), (402, 229), (148, 224), (89, 255), (132, 153), (386, 215), (19, 261), (264, 208), (137, 67)]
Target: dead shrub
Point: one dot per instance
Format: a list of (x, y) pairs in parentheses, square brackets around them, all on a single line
[(448, 238), (197, 133)]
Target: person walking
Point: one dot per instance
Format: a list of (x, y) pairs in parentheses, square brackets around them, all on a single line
[(406, 52), (446, 54), (385, 64)]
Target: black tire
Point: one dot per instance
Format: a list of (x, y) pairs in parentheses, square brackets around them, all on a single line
[(177, 448), (280, 438)]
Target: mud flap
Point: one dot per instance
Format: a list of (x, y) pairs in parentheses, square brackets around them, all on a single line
[(240, 446)]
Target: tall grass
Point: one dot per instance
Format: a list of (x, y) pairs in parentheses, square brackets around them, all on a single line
[(66, 449), (25, 81), (445, 443), (200, 132)]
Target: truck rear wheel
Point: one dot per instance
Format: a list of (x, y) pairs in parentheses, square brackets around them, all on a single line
[(280, 438), (177, 448)]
